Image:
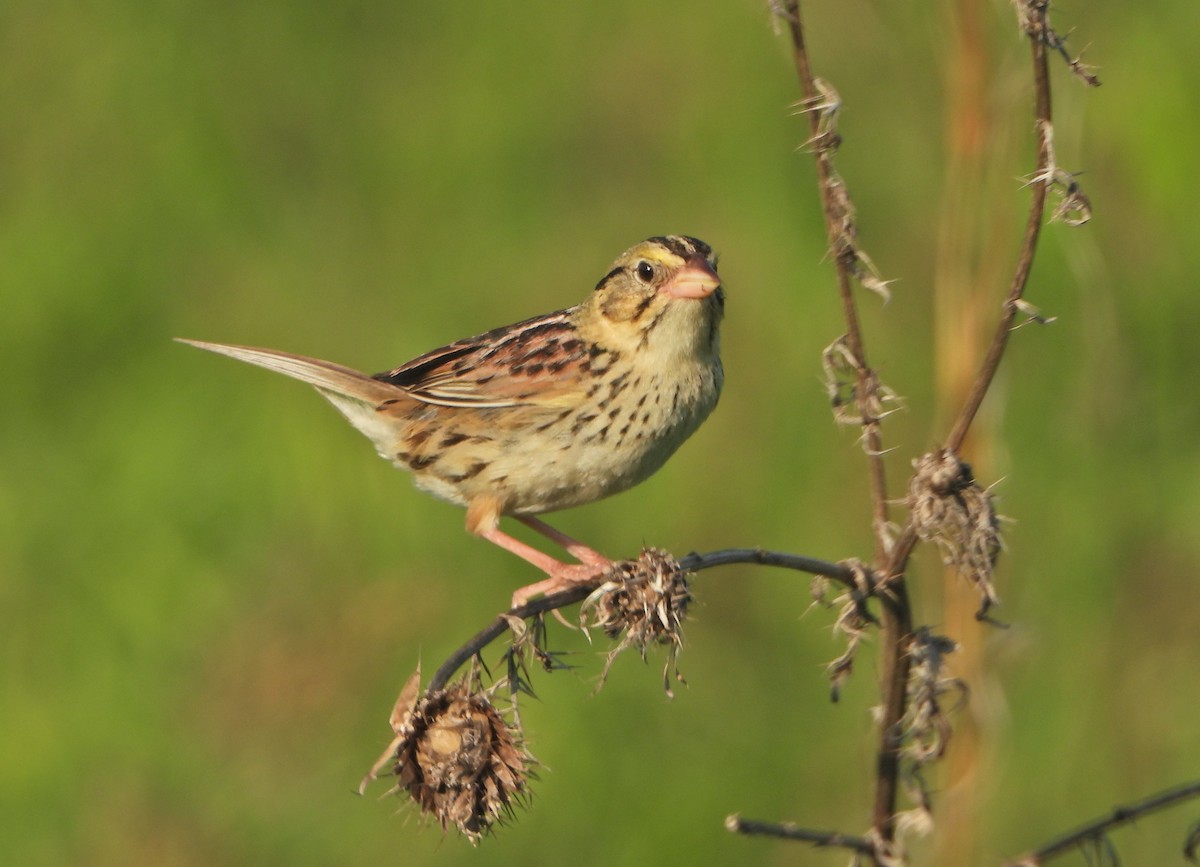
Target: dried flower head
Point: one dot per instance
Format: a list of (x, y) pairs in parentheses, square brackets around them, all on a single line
[(643, 602), (456, 756), (950, 509)]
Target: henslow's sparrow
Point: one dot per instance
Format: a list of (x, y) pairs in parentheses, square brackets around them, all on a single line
[(552, 412)]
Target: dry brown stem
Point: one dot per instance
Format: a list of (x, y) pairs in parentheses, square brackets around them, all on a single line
[(790, 831), (1097, 832)]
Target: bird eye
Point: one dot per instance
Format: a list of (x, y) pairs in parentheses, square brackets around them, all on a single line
[(645, 271)]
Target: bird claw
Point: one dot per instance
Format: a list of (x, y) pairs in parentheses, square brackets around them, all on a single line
[(564, 576)]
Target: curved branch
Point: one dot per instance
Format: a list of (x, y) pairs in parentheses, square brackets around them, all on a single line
[(1119, 816), (499, 626), (837, 571)]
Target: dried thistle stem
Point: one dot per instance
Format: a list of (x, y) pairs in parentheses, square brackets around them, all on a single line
[(1033, 17), (846, 262), (1096, 830), (788, 831), (897, 612), (1040, 184)]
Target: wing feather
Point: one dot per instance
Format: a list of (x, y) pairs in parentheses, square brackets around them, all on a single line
[(535, 362)]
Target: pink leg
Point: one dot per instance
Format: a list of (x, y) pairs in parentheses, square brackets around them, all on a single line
[(540, 588), (578, 550), (562, 575)]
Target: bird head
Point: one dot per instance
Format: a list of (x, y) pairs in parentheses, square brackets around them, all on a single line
[(663, 294)]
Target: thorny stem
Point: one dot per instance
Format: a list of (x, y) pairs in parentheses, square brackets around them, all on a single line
[(896, 628), (1033, 227), (788, 831), (897, 675), (907, 540), (1097, 829), (897, 613), (692, 563), (843, 256)]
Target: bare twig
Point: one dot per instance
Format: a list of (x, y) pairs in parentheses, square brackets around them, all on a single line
[(1094, 831), (789, 831), (897, 627), (839, 572)]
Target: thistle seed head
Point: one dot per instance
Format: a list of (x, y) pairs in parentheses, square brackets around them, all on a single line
[(458, 758), (644, 602)]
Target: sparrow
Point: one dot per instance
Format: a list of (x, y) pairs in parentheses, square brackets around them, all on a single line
[(548, 413)]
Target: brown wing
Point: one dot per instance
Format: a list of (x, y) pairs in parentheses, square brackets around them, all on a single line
[(535, 362)]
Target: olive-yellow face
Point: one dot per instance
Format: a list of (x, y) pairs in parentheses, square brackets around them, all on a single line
[(665, 287)]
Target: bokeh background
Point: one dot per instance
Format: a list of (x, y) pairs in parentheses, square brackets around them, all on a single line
[(212, 590)]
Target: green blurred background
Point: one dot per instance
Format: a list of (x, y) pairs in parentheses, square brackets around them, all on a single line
[(212, 589)]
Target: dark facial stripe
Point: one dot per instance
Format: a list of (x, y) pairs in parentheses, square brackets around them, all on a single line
[(613, 273), (642, 307), (650, 326)]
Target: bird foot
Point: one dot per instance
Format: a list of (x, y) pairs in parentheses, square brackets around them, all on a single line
[(563, 576)]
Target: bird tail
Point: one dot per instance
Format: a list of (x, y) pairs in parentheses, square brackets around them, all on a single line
[(355, 395)]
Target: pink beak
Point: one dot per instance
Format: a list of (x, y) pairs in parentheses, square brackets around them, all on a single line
[(696, 280)]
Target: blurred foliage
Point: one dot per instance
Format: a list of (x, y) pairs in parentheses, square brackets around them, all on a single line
[(212, 589)]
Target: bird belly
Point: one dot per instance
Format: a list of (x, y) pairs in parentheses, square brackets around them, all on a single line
[(536, 459), (595, 452)]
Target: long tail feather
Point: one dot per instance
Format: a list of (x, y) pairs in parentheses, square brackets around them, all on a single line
[(324, 375), (355, 395)]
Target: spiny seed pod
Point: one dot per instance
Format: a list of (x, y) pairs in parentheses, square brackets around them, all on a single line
[(646, 598), (643, 602), (457, 757)]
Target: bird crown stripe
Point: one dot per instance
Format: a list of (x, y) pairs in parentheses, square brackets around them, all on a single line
[(681, 245)]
